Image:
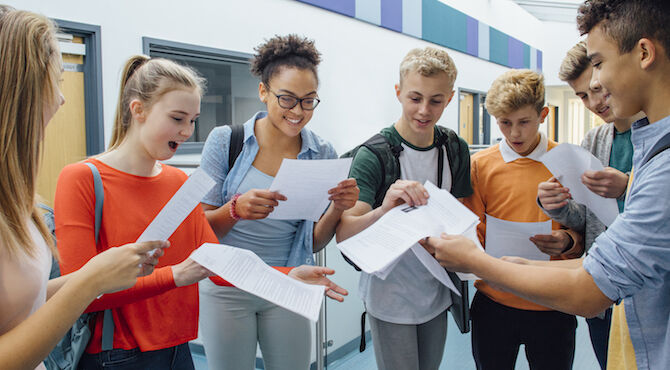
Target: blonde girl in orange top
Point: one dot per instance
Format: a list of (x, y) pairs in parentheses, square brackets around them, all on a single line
[(155, 319)]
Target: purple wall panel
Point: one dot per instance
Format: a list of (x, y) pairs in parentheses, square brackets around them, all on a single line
[(473, 36), (392, 14), (346, 7), (515, 53)]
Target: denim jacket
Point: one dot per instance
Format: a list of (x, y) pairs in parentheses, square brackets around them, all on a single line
[(215, 162), (631, 259)]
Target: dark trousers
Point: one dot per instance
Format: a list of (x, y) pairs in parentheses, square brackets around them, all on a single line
[(599, 330), (177, 358), (498, 331)]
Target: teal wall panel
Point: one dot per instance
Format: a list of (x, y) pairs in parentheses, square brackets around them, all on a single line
[(444, 25), (498, 44)]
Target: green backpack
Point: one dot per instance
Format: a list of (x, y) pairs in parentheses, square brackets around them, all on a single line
[(387, 150)]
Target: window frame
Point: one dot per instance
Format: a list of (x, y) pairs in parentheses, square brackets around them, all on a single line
[(193, 52)]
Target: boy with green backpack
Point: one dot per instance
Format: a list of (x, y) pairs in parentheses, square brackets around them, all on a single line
[(407, 309)]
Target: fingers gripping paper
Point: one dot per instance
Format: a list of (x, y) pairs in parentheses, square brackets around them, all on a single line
[(567, 162)]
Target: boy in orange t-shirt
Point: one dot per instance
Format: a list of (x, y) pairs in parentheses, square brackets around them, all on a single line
[(504, 179)]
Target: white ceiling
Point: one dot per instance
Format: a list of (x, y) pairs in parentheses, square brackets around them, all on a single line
[(553, 10)]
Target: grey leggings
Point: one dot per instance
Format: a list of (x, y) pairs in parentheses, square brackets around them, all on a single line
[(233, 321), (409, 347)]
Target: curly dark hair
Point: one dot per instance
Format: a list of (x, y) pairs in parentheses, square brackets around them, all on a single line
[(627, 21), (284, 51)]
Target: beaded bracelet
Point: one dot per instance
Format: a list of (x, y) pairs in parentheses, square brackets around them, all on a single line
[(233, 203)]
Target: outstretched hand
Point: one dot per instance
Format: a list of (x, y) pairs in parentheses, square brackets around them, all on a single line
[(454, 252), (316, 275)]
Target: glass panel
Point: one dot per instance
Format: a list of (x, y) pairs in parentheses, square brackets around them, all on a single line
[(231, 94)]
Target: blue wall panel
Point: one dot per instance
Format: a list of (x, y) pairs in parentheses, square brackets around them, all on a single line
[(498, 45), (434, 21)]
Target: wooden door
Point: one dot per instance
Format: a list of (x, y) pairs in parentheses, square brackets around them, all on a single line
[(65, 139), (551, 123), (466, 124)]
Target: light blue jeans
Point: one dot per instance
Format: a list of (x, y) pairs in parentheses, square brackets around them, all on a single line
[(233, 321)]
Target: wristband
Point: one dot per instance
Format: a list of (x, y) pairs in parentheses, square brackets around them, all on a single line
[(233, 203)]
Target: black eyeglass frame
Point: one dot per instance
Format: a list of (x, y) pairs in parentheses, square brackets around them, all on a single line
[(297, 100)]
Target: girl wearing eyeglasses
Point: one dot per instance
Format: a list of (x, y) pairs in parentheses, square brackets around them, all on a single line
[(232, 321)]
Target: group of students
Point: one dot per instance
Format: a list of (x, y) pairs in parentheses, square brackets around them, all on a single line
[(621, 73)]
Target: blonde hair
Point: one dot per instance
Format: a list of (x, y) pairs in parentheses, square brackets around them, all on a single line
[(514, 90), (428, 62), (148, 79), (575, 63), (29, 71)]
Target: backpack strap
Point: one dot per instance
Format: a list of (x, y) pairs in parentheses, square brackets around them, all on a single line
[(658, 151), (387, 154), (236, 144), (99, 198), (108, 320)]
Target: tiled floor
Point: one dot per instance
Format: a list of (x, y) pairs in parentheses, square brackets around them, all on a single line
[(457, 354)]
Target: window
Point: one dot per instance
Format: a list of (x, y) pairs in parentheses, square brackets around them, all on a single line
[(231, 95)]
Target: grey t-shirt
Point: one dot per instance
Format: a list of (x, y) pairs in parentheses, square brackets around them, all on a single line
[(409, 294)]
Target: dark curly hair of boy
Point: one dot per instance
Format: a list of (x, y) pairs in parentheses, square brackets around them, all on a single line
[(627, 21)]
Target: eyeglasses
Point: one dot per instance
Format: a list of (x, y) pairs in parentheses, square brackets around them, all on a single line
[(289, 101)]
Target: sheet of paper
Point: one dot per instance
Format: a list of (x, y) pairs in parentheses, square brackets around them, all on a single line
[(379, 245), (248, 272), (507, 238), (178, 207), (305, 185), (434, 267), (384, 272), (567, 162)]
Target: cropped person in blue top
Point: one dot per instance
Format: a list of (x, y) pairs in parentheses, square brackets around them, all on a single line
[(232, 321)]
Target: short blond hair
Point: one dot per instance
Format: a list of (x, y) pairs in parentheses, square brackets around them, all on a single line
[(575, 63), (428, 62), (514, 90)]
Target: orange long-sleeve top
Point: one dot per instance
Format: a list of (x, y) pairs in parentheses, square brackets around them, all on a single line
[(154, 313), (508, 191)]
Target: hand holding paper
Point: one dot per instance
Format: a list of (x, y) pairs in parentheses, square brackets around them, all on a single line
[(567, 162), (507, 238), (305, 185), (383, 242)]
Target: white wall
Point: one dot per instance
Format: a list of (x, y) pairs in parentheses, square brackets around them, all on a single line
[(558, 39), (359, 69)]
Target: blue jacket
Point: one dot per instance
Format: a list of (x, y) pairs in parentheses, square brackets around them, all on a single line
[(214, 161)]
